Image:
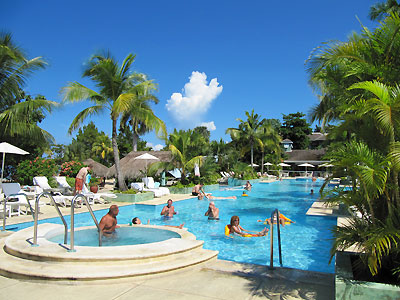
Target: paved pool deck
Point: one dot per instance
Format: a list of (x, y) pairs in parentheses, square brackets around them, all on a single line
[(217, 279)]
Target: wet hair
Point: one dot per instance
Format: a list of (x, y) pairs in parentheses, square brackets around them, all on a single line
[(135, 220), (233, 219)]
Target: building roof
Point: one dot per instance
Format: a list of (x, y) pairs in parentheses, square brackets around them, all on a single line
[(98, 169), (131, 167), (310, 156), (317, 136)]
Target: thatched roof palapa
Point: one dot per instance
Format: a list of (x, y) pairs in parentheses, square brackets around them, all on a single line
[(98, 169), (131, 167)]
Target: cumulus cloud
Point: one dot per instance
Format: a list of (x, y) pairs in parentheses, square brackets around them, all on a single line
[(157, 147), (210, 125), (197, 95)]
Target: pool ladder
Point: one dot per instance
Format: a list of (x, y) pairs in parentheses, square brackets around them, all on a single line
[(36, 215), (275, 213)]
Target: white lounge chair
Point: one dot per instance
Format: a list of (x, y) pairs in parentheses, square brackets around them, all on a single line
[(18, 198), (150, 186), (58, 197), (97, 197)]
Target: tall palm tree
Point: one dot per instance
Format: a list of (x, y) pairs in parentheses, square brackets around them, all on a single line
[(140, 116), (270, 141), (248, 131), (102, 147), (117, 94)]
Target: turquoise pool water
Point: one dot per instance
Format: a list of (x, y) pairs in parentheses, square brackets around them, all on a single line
[(305, 244), (124, 236)]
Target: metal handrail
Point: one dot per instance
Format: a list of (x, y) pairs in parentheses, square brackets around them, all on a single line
[(73, 220), (47, 194), (275, 212), (5, 206)]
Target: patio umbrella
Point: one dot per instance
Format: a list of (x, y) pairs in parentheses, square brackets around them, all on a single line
[(306, 165), (268, 164), (326, 165), (283, 165), (147, 157), (196, 170), (254, 165), (8, 148)]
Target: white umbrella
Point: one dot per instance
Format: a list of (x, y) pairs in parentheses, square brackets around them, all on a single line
[(268, 164), (283, 165), (146, 156), (306, 165), (326, 165), (8, 148), (196, 170), (254, 165)]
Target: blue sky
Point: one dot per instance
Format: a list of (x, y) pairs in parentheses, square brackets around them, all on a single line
[(251, 53)]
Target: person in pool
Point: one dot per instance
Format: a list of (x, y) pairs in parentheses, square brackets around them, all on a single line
[(235, 228), (282, 220), (210, 197), (244, 194), (212, 212), (248, 186), (108, 223), (136, 221), (168, 210)]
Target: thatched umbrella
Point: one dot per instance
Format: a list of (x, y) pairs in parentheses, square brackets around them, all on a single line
[(98, 169), (131, 167)]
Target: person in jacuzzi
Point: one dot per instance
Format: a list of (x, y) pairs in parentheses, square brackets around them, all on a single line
[(108, 223), (168, 210), (136, 221)]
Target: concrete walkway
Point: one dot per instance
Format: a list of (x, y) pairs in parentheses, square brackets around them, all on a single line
[(217, 280)]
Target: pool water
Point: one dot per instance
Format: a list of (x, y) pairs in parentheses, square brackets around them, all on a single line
[(123, 236), (305, 244)]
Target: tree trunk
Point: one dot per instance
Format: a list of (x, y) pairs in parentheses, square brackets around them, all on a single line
[(121, 180), (135, 139), (251, 155), (262, 164)]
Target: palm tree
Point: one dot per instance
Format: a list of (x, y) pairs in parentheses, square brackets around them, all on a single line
[(117, 94), (380, 10), (140, 116), (102, 147), (179, 143), (248, 131), (19, 118), (270, 141)]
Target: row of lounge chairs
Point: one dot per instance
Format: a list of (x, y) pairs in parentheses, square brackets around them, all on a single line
[(21, 201)]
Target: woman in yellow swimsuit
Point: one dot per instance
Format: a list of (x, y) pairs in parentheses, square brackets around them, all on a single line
[(235, 228)]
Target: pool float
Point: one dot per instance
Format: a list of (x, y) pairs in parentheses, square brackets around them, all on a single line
[(287, 220), (244, 195), (228, 232)]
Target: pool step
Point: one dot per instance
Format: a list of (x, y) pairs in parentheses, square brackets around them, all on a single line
[(49, 261)]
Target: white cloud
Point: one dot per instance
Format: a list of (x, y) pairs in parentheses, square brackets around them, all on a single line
[(157, 147), (195, 100), (210, 125)]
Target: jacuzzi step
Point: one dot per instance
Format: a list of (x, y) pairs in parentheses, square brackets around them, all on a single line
[(12, 266), (49, 261), (19, 244)]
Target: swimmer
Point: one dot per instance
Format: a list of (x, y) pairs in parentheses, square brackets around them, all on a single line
[(248, 186), (108, 223), (239, 230), (168, 210), (244, 194), (209, 197), (312, 192), (137, 221), (282, 220), (212, 212)]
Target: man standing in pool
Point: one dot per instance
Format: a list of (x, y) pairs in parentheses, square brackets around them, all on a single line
[(212, 212), (168, 210), (108, 223)]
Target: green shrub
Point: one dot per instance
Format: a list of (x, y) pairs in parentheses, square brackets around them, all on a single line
[(71, 181), (130, 191), (28, 169), (70, 168)]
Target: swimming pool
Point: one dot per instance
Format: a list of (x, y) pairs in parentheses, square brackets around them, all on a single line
[(305, 244)]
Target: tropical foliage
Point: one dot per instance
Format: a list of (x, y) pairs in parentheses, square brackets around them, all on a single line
[(28, 169), (357, 82)]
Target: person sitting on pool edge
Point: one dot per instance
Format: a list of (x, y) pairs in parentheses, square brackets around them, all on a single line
[(282, 220), (210, 197), (136, 221), (108, 223), (235, 228), (198, 189), (212, 212), (168, 210)]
